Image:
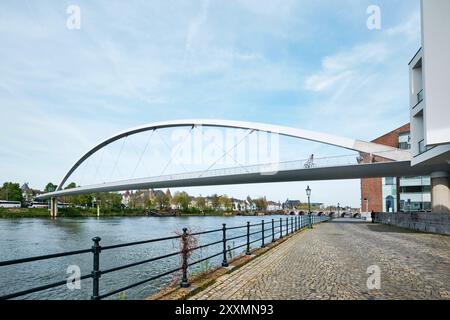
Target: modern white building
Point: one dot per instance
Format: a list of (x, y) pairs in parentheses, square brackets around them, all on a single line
[(430, 99)]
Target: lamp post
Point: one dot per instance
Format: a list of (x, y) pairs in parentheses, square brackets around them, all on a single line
[(339, 210), (308, 193)]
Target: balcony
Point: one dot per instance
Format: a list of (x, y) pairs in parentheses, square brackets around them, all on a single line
[(419, 98), (422, 147)]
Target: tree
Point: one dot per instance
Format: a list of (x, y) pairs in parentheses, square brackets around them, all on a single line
[(162, 200), (182, 200), (11, 191), (109, 200), (71, 185), (201, 203), (225, 202), (215, 202), (71, 199), (149, 203), (50, 187), (83, 200), (261, 204)]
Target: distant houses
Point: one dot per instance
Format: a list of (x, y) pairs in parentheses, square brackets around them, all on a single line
[(274, 206), (291, 204), (296, 205), (28, 194), (165, 200), (159, 199)]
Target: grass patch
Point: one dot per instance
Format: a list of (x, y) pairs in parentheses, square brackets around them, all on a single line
[(67, 212)]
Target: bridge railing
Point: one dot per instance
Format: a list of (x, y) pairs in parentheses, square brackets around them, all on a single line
[(264, 232), (325, 162)]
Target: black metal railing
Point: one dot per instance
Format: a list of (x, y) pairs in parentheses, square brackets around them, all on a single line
[(273, 230)]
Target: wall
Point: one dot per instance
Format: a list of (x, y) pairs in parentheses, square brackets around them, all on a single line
[(436, 66), (425, 222), (372, 188)]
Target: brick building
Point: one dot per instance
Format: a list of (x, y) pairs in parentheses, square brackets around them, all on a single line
[(395, 194)]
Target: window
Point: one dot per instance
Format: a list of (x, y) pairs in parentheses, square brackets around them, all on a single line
[(415, 189), (389, 181), (404, 141), (404, 146)]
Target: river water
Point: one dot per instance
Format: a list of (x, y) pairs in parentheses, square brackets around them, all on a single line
[(20, 238)]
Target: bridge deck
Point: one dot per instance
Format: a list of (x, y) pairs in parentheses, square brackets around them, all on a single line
[(256, 174), (331, 261)]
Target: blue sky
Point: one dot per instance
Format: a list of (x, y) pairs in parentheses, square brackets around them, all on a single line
[(308, 64)]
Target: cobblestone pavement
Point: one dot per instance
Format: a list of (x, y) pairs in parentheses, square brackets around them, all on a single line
[(331, 261)]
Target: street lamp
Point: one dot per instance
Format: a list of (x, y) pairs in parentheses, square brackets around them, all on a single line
[(308, 193)]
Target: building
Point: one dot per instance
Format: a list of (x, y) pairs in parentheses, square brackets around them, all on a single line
[(28, 193), (291, 204), (429, 102), (395, 194), (273, 206)]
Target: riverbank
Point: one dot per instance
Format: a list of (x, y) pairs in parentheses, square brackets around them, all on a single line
[(80, 212), (66, 212)]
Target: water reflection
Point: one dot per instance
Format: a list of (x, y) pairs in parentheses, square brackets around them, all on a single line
[(30, 237)]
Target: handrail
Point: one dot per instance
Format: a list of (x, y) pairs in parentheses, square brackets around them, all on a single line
[(44, 257), (277, 228)]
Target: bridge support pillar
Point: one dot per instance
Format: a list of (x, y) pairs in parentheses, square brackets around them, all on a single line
[(54, 207), (440, 192)]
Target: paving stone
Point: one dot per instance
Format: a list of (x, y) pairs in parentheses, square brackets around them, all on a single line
[(331, 261)]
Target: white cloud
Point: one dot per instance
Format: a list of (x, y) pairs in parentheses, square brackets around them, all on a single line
[(409, 28), (130, 65), (345, 65)]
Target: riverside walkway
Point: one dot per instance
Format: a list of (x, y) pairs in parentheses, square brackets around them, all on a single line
[(331, 261)]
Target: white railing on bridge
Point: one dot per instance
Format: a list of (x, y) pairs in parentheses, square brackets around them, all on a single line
[(271, 168)]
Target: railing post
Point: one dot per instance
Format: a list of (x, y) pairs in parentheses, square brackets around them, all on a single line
[(292, 224), (262, 233), (273, 230), (248, 239), (184, 252), (287, 226), (96, 249), (281, 228), (224, 231)]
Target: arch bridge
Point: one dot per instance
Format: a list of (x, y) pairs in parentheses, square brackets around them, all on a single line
[(389, 161)]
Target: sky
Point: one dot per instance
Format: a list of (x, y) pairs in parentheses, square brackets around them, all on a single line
[(306, 64)]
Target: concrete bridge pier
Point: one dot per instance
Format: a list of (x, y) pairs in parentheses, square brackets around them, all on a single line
[(54, 207), (440, 192)]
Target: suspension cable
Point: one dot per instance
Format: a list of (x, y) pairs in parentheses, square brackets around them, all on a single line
[(118, 158), (142, 154), (233, 158), (168, 147), (173, 155), (83, 173), (97, 171), (226, 153)]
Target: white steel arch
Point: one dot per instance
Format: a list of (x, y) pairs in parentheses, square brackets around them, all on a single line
[(346, 143)]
